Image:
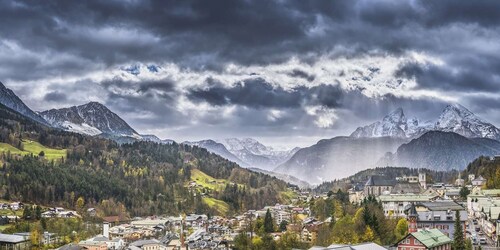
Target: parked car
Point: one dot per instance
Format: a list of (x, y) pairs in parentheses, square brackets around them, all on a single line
[(478, 229), (474, 240)]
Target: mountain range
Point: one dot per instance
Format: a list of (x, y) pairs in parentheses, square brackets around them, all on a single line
[(451, 141), (454, 118), (247, 152), (454, 139)]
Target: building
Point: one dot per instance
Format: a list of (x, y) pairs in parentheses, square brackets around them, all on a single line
[(395, 205), (422, 179), (439, 215), (407, 188), (479, 181), (93, 245), (408, 178), (146, 245), (378, 185), (14, 242), (280, 216), (432, 239), (116, 243), (362, 246)]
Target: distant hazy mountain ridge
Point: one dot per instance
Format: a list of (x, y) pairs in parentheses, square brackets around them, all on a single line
[(454, 139)]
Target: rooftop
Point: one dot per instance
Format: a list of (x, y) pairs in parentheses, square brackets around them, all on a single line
[(377, 180), (431, 238), (441, 205), (10, 238), (406, 197)]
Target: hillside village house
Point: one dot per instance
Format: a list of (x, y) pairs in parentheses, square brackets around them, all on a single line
[(479, 181)]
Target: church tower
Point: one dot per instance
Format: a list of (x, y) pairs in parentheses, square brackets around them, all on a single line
[(412, 219), (422, 180)]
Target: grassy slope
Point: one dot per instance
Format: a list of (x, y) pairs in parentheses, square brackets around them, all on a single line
[(33, 147), (218, 205), (207, 182)]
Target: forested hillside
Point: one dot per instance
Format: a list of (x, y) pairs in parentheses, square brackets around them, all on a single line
[(487, 167), (142, 178)]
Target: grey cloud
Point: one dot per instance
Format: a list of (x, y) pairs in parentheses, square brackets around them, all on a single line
[(55, 97), (52, 38), (207, 35), (472, 74), (257, 93)]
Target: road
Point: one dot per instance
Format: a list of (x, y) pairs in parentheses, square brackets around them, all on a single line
[(472, 228)]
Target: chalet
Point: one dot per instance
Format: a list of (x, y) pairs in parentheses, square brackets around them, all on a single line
[(378, 185), (432, 239)]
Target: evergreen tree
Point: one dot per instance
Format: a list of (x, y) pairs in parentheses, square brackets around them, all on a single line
[(27, 213), (242, 241), (458, 236), (268, 222), (283, 225), (464, 191)]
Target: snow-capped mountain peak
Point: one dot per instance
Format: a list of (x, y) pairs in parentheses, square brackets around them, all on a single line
[(454, 118), (393, 125), (92, 118)]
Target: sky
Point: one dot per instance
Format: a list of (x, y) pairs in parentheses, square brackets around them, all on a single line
[(288, 73)]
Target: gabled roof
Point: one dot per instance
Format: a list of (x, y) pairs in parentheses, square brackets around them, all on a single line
[(377, 180), (407, 188), (431, 238)]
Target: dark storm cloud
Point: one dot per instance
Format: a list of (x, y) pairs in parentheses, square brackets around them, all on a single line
[(464, 74), (55, 97), (54, 39), (207, 34), (257, 93)]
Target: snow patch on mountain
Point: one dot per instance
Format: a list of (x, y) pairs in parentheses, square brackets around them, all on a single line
[(83, 128)]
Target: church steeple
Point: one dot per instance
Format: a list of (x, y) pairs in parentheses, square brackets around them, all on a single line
[(412, 219)]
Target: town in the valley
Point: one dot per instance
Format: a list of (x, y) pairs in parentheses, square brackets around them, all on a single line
[(427, 215)]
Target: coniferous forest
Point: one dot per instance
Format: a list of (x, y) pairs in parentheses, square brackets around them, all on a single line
[(141, 178)]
